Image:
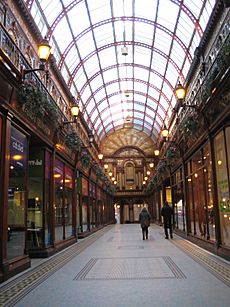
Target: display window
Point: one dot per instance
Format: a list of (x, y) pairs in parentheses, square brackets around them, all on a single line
[(35, 198), (221, 145), (48, 205), (59, 196), (68, 201), (16, 194), (178, 203), (63, 209)]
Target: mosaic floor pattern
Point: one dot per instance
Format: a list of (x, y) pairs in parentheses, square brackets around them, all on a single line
[(130, 268)]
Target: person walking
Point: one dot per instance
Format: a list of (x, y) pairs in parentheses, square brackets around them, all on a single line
[(144, 219), (167, 213)]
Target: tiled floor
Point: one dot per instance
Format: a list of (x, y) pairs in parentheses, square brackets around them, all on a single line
[(115, 267)]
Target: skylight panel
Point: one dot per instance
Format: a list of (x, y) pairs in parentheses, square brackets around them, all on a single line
[(167, 90), (72, 59), (153, 92), (152, 104), (108, 128), (148, 119), (86, 45), (119, 31), (51, 9), (109, 75), (103, 35), (138, 115), (167, 17), (185, 28), (99, 9), (138, 121), (80, 23), (162, 41), (93, 116), (86, 94), (107, 57), (160, 111), (145, 8), (138, 86), (39, 20), (156, 80), (80, 78), (113, 88), (194, 6), (62, 34), (150, 112), (91, 66), (96, 83), (90, 106), (100, 96)]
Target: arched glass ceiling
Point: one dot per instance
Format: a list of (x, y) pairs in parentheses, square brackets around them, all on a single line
[(87, 37)]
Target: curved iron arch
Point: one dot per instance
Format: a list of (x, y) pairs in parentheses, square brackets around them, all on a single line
[(127, 44), (122, 19)]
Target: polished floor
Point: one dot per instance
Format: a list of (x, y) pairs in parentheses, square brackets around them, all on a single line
[(115, 267)]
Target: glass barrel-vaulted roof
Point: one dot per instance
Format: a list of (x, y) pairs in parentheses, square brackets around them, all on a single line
[(87, 37)]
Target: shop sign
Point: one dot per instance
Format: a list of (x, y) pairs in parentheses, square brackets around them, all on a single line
[(18, 149), (36, 159)]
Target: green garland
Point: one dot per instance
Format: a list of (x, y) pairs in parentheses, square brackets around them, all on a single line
[(85, 160), (37, 103), (73, 141)]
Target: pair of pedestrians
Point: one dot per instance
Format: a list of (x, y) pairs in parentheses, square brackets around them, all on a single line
[(145, 217)]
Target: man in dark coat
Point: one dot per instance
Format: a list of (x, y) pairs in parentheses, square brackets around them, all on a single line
[(167, 213), (144, 219)]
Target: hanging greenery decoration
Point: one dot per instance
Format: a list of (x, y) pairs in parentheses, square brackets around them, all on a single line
[(190, 127), (172, 154), (37, 103), (73, 141), (98, 171), (85, 160), (162, 168)]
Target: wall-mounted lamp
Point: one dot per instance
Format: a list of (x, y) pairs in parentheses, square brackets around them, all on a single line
[(180, 94), (156, 152), (110, 173), (43, 54), (151, 165), (91, 139), (100, 156), (165, 132), (74, 109), (106, 166)]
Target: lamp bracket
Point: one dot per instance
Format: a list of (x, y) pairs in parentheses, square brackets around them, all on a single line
[(27, 71)]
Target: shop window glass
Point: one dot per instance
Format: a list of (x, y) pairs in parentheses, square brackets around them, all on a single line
[(85, 200), (208, 191), (84, 214), (16, 194), (35, 198), (223, 185), (198, 194), (68, 205), (48, 205), (191, 227), (58, 205)]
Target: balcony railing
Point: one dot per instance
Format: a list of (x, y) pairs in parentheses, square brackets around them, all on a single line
[(14, 59)]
